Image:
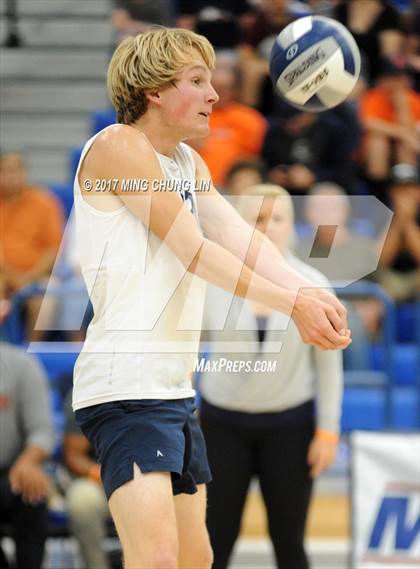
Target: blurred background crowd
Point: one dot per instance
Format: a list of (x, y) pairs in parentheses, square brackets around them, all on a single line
[(53, 82)]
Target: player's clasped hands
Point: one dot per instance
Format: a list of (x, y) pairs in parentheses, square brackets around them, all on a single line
[(321, 319)]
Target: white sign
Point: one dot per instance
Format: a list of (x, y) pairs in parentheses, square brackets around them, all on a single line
[(385, 500)]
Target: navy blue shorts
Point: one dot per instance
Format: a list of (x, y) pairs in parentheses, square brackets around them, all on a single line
[(159, 435)]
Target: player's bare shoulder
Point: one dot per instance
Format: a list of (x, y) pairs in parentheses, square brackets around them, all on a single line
[(119, 153), (118, 142)]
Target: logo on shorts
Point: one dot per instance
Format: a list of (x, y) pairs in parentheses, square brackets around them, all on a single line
[(158, 453)]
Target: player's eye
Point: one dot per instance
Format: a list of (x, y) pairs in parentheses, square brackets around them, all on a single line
[(196, 80)]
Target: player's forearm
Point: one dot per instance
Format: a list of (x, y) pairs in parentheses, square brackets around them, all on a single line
[(220, 267), (265, 259)]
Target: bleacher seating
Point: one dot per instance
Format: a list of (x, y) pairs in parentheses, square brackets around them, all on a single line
[(102, 119), (52, 84), (75, 154), (405, 362), (408, 322), (58, 362)]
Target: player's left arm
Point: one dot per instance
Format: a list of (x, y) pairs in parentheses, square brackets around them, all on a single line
[(224, 225)]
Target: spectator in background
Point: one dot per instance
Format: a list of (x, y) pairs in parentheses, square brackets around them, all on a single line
[(74, 310), (399, 263), (27, 439), (375, 25), (242, 175), (31, 228), (319, 7), (86, 501), (259, 31), (13, 38), (219, 20), (390, 114), (301, 148), (132, 17), (264, 423), (350, 255), (411, 55), (342, 255), (236, 131)]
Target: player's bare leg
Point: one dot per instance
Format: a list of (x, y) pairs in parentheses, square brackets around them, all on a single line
[(144, 515), (194, 544)]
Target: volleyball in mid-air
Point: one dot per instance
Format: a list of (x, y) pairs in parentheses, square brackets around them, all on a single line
[(314, 63)]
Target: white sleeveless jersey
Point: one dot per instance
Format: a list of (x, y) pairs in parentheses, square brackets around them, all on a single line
[(143, 339)]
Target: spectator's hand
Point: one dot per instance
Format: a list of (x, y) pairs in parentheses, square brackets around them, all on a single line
[(399, 98), (14, 281), (300, 177), (322, 451), (95, 473), (29, 480), (319, 323), (405, 204), (411, 139)]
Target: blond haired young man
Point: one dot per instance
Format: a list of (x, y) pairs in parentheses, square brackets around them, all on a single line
[(146, 250)]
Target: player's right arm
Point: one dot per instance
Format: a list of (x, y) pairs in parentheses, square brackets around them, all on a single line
[(124, 153)]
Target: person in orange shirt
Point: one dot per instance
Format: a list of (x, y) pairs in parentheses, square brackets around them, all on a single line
[(31, 227), (390, 114), (236, 131)]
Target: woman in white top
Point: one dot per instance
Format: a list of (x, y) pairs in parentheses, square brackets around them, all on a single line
[(148, 241), (279, 423)]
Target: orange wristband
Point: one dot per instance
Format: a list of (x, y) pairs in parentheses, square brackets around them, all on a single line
[(94, 472), (327, 436)]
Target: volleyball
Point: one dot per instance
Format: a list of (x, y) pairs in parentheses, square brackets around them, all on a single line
[(314, 63)]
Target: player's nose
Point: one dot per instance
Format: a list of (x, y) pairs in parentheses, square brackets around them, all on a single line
[(212, 96)]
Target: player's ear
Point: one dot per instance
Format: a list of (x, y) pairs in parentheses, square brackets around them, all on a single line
[(154, 96)]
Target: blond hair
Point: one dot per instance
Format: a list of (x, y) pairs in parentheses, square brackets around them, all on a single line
[(150, 61), (268, 191)]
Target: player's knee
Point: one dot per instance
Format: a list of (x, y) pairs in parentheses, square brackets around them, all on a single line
[(161, 555), (164, 557), (207, 557)]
